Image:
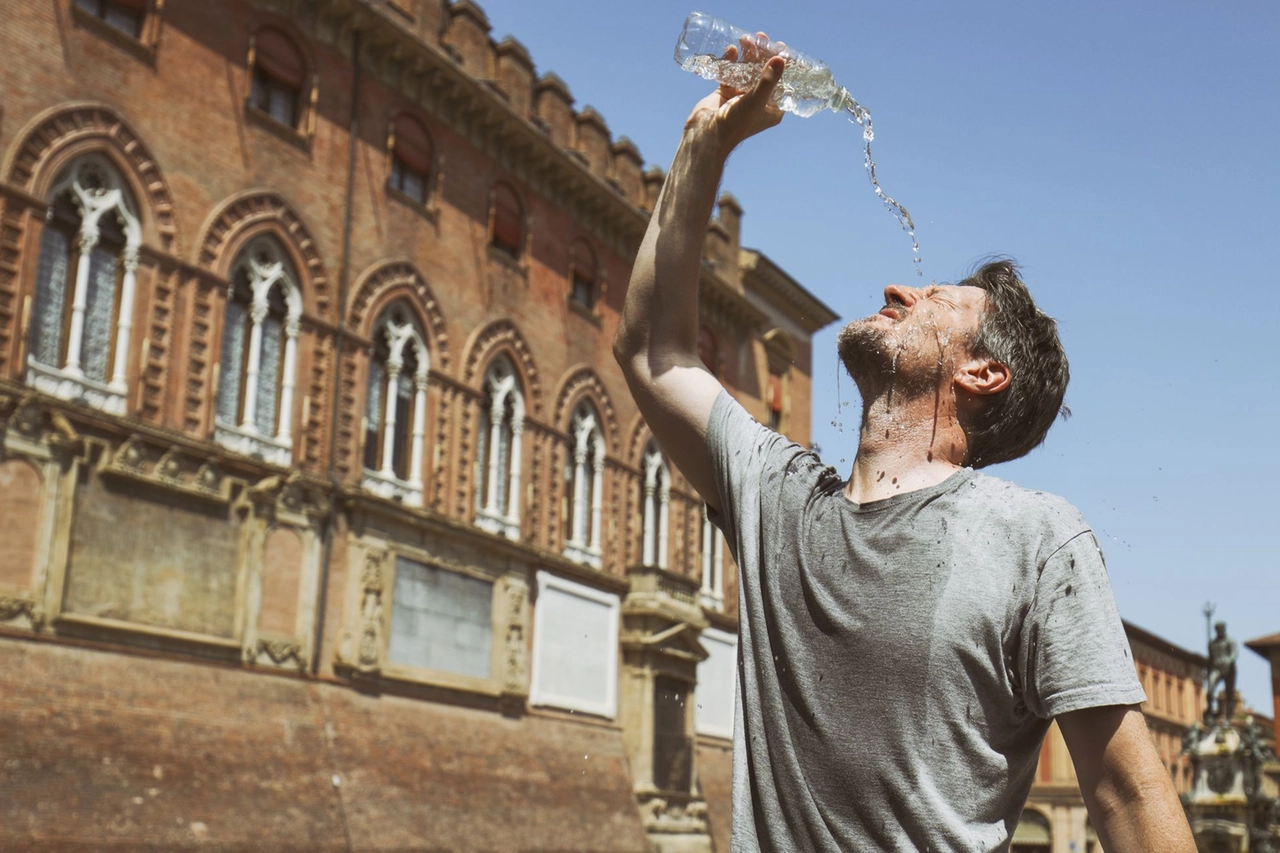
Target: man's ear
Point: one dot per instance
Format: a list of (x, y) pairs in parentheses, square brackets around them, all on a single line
[(983, 376)]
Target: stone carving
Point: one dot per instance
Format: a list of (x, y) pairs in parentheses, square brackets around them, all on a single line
[(517, 651), (282, 651), (170, 467), (584, 382), (12, 607), (369, 651), (28, 419), (378, 286), (131, 455)]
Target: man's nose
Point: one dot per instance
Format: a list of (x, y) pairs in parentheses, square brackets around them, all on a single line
[(901, 293)]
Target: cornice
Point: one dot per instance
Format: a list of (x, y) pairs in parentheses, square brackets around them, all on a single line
[(767, 279)]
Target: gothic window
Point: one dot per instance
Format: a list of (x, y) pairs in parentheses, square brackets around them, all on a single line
[(86, 280), (707, 350), (585, 475), (123, 15), (498, 452), (508, 221), (712, 564), (1032, 834), (278, 76), (410, 159), (396, 408), (655, 500), (584, 274), (259, 354)]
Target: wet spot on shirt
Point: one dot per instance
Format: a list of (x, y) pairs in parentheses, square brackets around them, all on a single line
[(1068, 590)]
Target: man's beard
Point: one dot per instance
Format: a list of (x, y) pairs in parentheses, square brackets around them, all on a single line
[(881, 364)]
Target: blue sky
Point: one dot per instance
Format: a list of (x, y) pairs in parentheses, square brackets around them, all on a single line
[(1124, 153)]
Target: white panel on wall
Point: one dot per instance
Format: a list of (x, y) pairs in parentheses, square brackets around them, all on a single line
[(575, 647), (717, 676)]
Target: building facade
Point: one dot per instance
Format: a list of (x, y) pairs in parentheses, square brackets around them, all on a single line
[(326, 518)]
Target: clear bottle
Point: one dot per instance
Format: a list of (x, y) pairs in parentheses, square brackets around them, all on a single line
[(806, 87)]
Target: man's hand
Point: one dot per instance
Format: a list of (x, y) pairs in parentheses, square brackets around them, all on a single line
[(1126, 787), (732, 116)]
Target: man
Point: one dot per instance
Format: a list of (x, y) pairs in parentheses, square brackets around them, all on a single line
[(907, 636), (1222, 673)]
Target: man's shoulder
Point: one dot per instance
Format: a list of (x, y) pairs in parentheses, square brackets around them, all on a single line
[(1025, 508)]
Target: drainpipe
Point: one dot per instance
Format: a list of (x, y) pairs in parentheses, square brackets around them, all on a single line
[(340, 342)]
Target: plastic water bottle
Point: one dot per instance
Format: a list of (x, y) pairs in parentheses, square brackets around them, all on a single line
[(806, 87)]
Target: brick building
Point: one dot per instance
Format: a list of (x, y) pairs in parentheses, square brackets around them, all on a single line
[(326, 519)]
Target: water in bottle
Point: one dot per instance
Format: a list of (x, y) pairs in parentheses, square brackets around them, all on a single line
[(807, 87)]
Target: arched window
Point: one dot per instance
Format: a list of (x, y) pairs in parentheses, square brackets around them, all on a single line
[(586, 476), (396, 408), (712, 564), (1032, 835), (655, 499), (123, 15), (279, 76), (707, 350), (410, 158), (498, 456), (259, 354), (508, 221), (85, 285), (584, 274)]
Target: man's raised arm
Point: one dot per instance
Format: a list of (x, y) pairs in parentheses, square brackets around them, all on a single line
[(657, 342)]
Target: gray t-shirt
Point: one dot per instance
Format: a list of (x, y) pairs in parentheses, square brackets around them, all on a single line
[(900, 661)]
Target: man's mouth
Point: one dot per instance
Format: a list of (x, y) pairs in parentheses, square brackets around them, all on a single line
[(893, 312)]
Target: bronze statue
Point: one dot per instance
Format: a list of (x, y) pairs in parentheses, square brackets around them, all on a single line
[(1222, 671)]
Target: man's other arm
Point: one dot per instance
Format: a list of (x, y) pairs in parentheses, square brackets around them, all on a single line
[(1126, 787), (657, 342)]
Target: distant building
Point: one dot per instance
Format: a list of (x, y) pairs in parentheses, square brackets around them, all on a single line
[(1268, 648), (326, 517), (1055, 819)]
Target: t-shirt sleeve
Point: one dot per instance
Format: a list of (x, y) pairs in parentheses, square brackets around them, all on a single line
[(742, 452), (1074, 650)]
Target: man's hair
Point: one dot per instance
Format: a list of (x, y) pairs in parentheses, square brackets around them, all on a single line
[(1017, 334)]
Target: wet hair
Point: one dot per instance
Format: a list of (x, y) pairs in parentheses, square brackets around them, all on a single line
[(1017, 334)]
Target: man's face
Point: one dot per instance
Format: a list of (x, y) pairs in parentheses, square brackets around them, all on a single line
[(915, 341)]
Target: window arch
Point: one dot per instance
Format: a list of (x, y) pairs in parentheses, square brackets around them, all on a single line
[(1032, 834), (85, 285), (584, 274), (257, 371), (586, 477), (507, 217), (411, 157), (396, 407), (655, 500), (712, 594), (498, 452), (278, 76)]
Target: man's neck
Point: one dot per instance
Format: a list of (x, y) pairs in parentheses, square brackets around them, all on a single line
[(905, 445)]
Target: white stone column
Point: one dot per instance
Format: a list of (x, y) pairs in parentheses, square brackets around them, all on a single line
[(419, 429), (597, 495), (717, 563), (124, 327), (389, 418), (79, 301), (649, 488), (707, 536), (664, 504), (495, 434), (285, 428), (576, 536), (513, 499), (256, 316)]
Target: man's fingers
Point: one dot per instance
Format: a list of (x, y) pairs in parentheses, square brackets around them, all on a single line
[(762, 91)]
